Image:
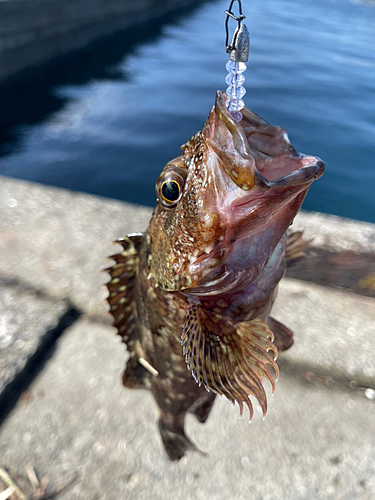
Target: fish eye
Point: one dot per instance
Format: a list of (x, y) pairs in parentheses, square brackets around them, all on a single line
[(170, 191), (169, 187)]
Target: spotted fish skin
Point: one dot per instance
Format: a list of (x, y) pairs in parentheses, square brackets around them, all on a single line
[(192, 296)]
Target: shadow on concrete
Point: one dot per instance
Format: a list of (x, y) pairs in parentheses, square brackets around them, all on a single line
[(349, 270), (17, 391)]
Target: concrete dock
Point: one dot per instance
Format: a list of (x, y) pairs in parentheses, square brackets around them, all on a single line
[(63, 409)]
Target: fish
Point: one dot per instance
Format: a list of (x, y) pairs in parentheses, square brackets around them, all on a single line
[(191, 297)]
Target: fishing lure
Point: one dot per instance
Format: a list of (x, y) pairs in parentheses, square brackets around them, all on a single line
[(238, 56)]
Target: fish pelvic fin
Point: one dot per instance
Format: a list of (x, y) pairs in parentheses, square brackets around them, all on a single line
[(121, 288), (283, 336), (296, 247), (229, 358)]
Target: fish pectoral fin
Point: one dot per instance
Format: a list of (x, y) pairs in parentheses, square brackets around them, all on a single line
[(229, 358), (296, 247)]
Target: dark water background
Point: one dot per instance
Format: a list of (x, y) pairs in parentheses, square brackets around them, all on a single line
[(107, 119)]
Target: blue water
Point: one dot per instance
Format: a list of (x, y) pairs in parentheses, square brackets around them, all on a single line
[(107, 120)]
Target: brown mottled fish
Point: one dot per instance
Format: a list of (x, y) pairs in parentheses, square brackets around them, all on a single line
[(191, 297)]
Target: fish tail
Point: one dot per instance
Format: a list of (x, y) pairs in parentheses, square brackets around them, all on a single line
[(175, 441)]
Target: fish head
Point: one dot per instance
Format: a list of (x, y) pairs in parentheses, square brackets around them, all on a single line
[(225, 203)]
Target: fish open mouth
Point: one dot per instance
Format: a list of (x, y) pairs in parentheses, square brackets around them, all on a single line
[(269, 159), (264, 180)]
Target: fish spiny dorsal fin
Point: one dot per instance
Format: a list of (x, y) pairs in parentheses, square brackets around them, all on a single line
[(296, 247), (121, 287), (229, 358)]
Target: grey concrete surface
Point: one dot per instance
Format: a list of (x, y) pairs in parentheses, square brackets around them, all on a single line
[(334, 330), (32, 32), (25, 321), (57, 241), (336, 234), (315, 444), (317, 441)]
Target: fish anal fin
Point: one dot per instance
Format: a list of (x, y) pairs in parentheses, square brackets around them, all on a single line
[(283, 335), (228, 358)]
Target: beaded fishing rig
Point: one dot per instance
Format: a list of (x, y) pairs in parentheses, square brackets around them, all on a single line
[(238, 52)]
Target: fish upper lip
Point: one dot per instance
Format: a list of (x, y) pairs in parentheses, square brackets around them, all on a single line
[(301, 176)]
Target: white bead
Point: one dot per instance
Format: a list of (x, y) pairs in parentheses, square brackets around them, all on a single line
[(235, 90)]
